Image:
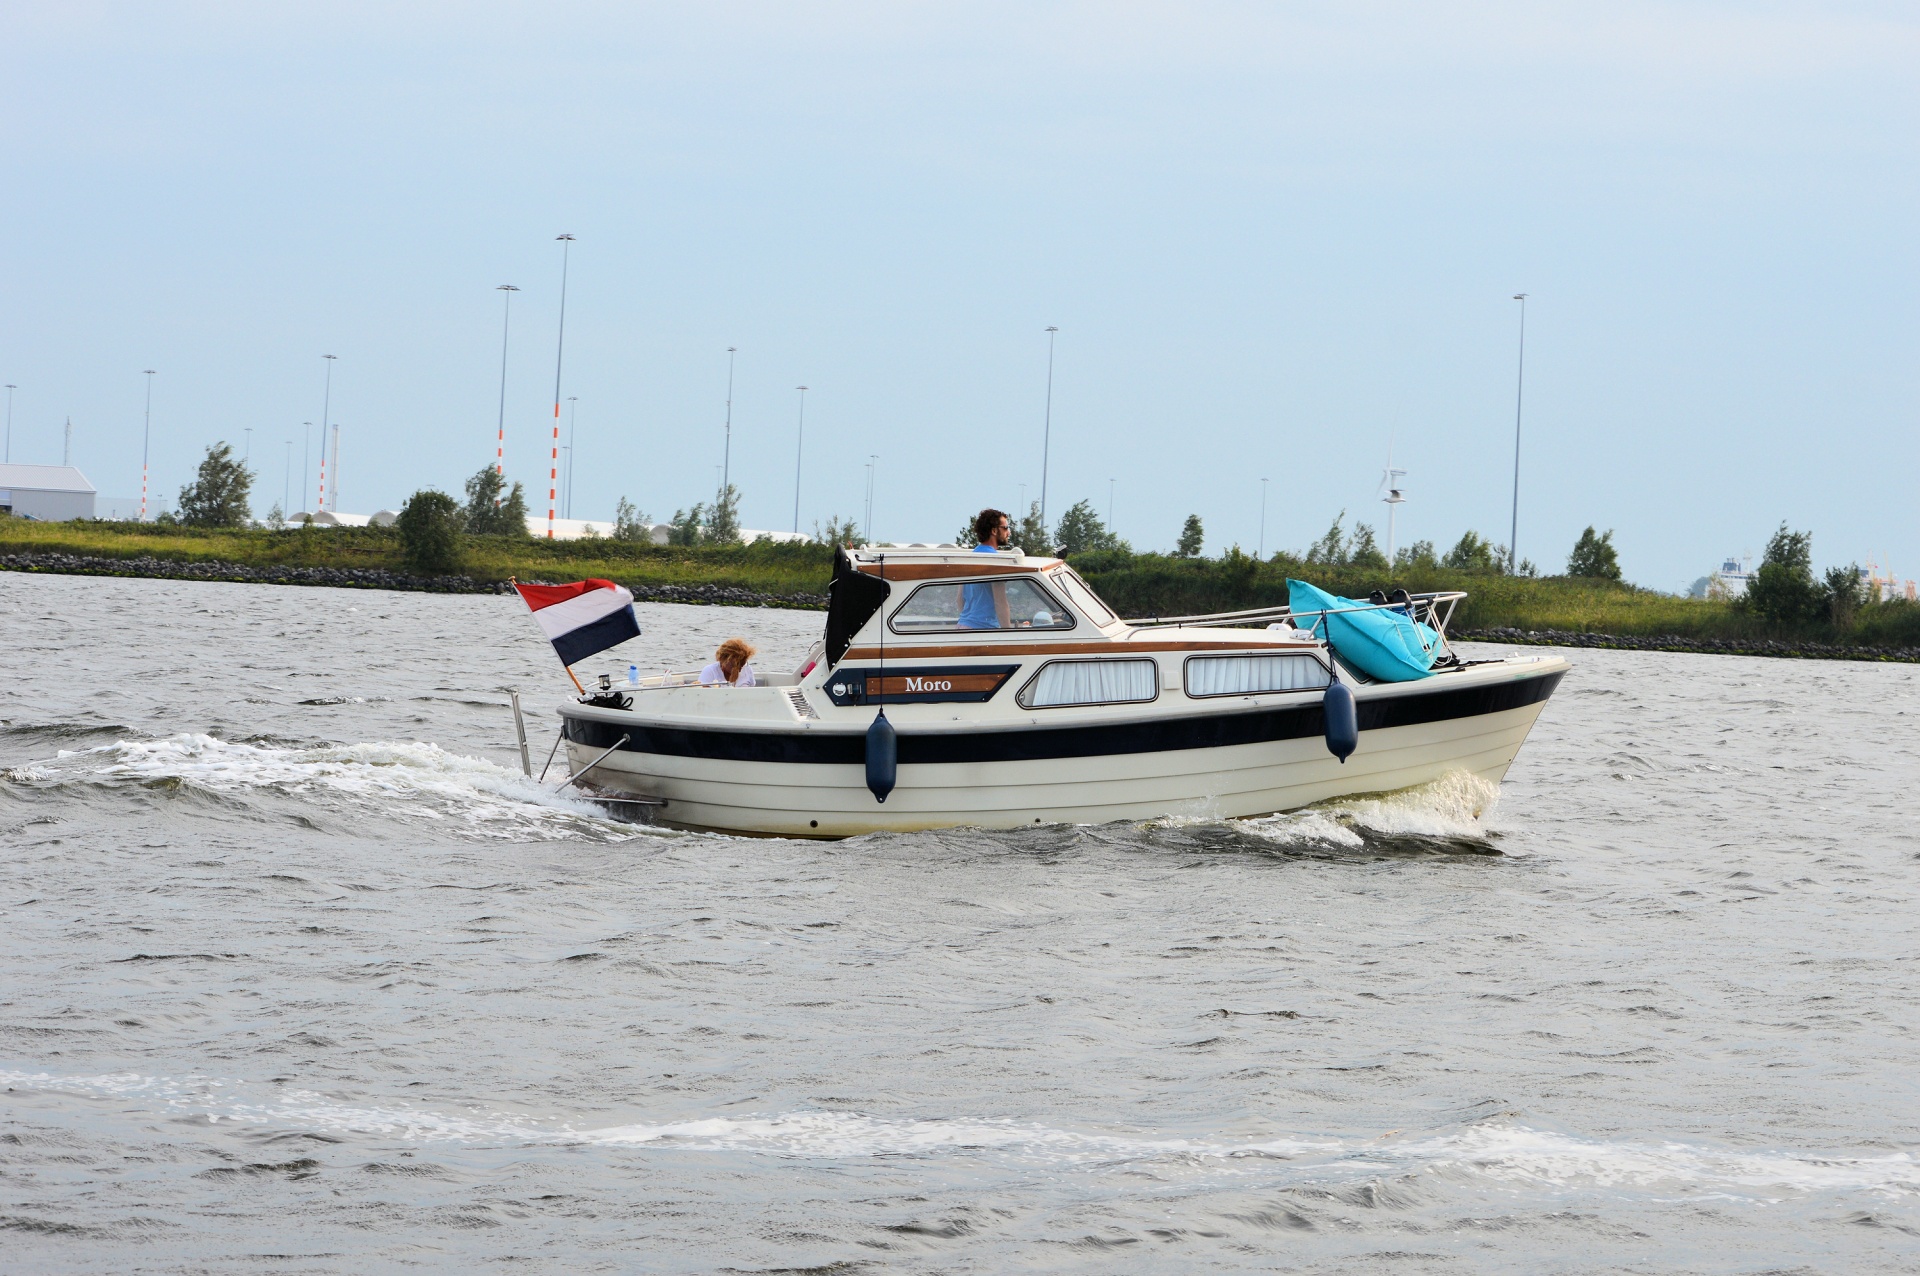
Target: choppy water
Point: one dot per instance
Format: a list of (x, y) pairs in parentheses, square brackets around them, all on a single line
[(301, 975)]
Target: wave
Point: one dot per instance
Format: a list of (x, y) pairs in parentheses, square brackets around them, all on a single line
[(1447, 814), (1502, 1156), (407, 782)]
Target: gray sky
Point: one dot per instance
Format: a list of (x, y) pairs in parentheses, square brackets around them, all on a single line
[(1272, 236)]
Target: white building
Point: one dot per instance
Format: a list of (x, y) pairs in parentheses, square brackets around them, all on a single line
[(50, 493)]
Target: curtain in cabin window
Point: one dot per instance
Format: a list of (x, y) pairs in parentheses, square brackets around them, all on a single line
[(1250, 675), (1065, 682)]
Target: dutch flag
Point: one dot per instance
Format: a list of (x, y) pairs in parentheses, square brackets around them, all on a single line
[(582, 618)]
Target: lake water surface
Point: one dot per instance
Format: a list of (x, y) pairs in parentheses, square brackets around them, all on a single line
[(298, 973)]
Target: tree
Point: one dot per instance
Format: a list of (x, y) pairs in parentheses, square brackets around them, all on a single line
[(1362, 551), (276, 517), (1475, 554), (1330, 550), (488, 512), (723, 523), (1847, 592), (687, 526), (431, 526), (629, 523), (1783, 589), (1417, 557), (1593, 556), (1191, 538), (218, 497), (1030, 533), (838, 531), (1081, 531)]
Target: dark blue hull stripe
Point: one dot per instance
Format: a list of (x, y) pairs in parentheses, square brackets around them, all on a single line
[(1036, 744)]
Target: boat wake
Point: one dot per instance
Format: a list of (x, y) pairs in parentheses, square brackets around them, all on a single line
[(1446, 816), (1492, 1155), (407, 782)]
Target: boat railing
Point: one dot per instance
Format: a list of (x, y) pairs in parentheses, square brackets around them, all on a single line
[(1435, 610)]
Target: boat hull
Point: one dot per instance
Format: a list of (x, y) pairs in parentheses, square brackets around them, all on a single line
[(1212, 764)]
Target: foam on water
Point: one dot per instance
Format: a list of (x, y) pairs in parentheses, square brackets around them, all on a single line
[(406, 781), (1488, 1155), (1450, 810)]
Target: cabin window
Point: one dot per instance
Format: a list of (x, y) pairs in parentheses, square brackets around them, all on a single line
[(1069, 682), (1083, 596), (1252, 675), (992, 603)]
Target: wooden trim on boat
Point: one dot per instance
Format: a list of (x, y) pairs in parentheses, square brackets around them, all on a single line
[(1116, 647)]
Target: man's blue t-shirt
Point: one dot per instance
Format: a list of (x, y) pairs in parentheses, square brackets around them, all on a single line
[(976, 601)]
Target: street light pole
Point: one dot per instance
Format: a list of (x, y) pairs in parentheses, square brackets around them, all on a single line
[(286, 480), (9, 452), (573, 437), (1046, 437), (799, 446), (1519, 389), (246, 454), (146, 437), (1262, 551), (306, 454), (1110, 483), (873, 469), (326, 409), (500, 438), (560, 349), (726, 455)]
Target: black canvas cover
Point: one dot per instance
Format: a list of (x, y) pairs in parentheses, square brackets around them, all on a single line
[(852, 598)]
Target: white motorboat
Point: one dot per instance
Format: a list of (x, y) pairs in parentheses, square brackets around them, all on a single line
[(1059, 711)]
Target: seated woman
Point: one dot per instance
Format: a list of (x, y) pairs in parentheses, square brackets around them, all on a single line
[(730, 667)]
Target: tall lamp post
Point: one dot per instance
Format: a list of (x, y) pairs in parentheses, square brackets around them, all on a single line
[(1262, 551), (506, 292), (873, 468), (726, 454), (326, 409), (306, 454), (1110, 483), (573, 437), (560, 349), (1046, 436), (247, 454), (146, 437), (799, 446), (1519, 391), (286, 480), (9, 452)]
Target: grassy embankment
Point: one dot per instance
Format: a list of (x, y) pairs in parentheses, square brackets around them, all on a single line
[(1139, 584)]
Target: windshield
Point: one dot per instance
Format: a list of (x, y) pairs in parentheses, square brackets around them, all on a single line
[(1082, 593)]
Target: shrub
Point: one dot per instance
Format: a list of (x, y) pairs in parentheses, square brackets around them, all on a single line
[(431, 526), (488, 511), (219, 495), (1593, 557), (1783, 589)]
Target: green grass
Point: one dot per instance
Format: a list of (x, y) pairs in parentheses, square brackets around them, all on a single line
[(1136, 584)]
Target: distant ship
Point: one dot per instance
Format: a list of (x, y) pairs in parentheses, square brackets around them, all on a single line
[(1731, 580)]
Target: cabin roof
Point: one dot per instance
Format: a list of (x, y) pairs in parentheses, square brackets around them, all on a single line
[(924, 562)]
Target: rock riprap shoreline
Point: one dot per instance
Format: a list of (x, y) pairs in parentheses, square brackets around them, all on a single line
[(734, 596), (1694, 646), (370, 578)]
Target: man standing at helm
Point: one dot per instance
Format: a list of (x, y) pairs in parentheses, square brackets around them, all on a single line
[(985, 606)]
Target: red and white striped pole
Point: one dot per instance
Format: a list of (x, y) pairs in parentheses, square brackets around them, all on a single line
[(553, 471)]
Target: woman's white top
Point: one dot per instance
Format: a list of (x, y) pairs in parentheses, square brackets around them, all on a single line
[(713, 675)]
